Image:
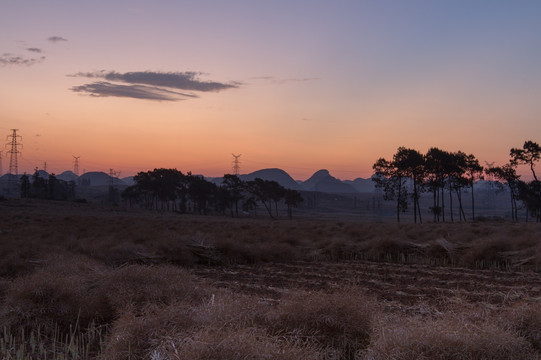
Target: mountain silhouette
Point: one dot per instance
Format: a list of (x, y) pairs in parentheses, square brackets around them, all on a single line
[(67, 176), (323, 181), (278, 175), (99, 178), (361, 185)]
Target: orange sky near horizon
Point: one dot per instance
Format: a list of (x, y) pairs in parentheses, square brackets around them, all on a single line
[(301, 87)]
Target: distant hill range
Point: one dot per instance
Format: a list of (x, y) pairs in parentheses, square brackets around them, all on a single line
[(95, 178), (278, 175), (320, 181)]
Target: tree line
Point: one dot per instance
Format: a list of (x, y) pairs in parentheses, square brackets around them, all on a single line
[(448, 175), (49, 188), (170, 189)]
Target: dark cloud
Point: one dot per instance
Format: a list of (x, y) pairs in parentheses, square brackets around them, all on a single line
[(105, 89), (55, 39), (175, 80), (9, 59), (36, 50)]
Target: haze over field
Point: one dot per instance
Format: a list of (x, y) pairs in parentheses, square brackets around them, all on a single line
[(300, 86)]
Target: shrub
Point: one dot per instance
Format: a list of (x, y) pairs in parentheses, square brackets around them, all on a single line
[(59, 293), (134, 286), (231, 344), (339, 322), (526, 321), (446, 338)]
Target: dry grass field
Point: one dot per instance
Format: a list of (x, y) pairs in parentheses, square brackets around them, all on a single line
[(80, 281)]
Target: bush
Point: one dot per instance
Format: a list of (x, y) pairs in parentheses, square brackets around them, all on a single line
[(339, 322), (447, 338)]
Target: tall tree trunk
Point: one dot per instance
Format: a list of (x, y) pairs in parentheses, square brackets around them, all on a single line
[(443, 203), (268, 207), (415, 201), (461, 213), (472, 203), (419, 210), (451, 202), (435, 207), (399, 199), (512, 205)]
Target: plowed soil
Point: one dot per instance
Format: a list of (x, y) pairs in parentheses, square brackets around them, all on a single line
[(403, 288)]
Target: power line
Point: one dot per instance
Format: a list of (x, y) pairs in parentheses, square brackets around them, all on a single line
[(14, 151), (236, 164)]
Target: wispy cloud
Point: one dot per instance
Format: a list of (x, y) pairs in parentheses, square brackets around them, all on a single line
[(16, 60), (176, 80), (276, 80), (55, 39), (106, 89), (148, 84), (36, 50)]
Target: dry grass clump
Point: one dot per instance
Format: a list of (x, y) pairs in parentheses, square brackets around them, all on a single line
[(526, 322), (59, 294), (338, 323), (447, 338), (511, 246), (221, 326), (231, 344), (72, 289), (229, 326), (134, 334), (138, 285)]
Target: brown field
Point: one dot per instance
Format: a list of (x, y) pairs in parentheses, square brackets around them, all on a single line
[(81, 281)]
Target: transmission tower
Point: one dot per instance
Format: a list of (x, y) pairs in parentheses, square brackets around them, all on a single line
[(76, 165), (113, 175), (14, 151), (1, 163), (236, 164), (45, 166)]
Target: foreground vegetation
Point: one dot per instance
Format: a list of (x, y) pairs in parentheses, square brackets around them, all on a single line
[(80, 281)]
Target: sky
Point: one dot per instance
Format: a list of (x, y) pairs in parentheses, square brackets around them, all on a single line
[(296, 85)]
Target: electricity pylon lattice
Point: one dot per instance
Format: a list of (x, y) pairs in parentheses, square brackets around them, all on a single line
[(14, 151), (113, 175), (76, 165), (236, 164)]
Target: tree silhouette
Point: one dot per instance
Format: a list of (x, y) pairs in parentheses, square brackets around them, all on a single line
[(266, 192), (507, 174), (474, 171), (389, 177), (457, 180), (158, 188), (201, 192), (529, 193), (528, 155), (436, 172), (292, 199), (25, 187), (235, 187), (411, 164), (39, 186)]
